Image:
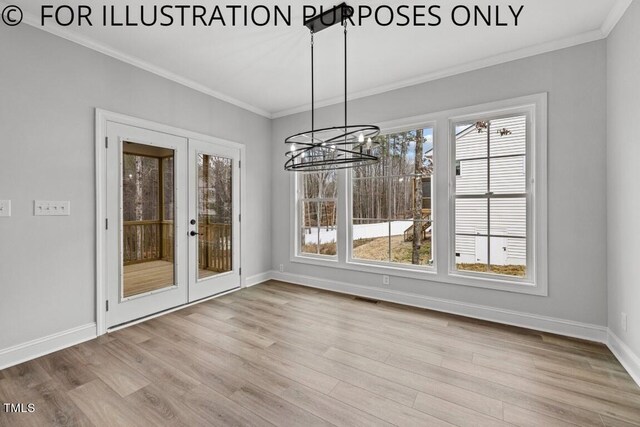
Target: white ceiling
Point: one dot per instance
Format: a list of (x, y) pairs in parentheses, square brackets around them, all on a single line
[(267, 69)]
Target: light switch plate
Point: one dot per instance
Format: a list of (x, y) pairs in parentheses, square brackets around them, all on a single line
[(5, 207), (51, 208)]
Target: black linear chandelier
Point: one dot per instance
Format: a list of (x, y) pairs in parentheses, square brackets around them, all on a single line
[(337, 147)]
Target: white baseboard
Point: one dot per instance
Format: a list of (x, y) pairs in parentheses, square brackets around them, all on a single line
[(257, 279), (509, 317), (39, 347), (628, 359)]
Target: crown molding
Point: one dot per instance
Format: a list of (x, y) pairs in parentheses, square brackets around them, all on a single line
[(616, 13), (460, 69), (87, 42)]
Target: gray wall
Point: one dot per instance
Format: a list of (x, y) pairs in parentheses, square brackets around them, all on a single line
[(49, 88), (575, 79), (623, 176)]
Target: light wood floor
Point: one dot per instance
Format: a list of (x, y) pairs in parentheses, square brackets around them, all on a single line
[(152, 275), (278, 354), (147, 276)]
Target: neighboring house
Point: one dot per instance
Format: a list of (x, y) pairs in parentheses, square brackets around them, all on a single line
[(508, 175)]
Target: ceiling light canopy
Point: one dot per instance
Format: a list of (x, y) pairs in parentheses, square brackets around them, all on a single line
[(336, 147)]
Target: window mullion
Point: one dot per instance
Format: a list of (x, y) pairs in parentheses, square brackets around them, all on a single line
[(343, 215), (489, 196)]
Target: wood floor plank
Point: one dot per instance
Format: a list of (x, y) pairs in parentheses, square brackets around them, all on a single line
[(51, 404), (112, 371), (525, 418), (469, 399), (329, 332), (275, 409), (200, 369), (482, 386), (282, 354), (157, 409), (28, 374), (329, 409), (67, 368), (152, 366), (570, 397), (232, 331), (294, 371), (102, 405), (606, 392), (613, 422), (362, 379), (454, 413), (610, 379), (220, 410), (386, 409)]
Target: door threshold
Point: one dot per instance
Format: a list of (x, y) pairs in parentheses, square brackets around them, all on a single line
[(169, 310)]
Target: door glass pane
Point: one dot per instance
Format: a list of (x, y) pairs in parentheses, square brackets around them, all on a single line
[(148, 229), (215, 214)]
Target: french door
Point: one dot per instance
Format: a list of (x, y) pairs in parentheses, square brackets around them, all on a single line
[(214, 219), (172, 221)]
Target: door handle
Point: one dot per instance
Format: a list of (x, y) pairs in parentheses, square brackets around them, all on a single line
[(193, 233)]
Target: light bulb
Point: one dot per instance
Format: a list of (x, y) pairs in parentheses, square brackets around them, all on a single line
[(361, 138), (369, 143), (293, 147), (302, 155)]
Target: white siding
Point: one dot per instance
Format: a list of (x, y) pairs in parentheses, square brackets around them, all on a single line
[(471, 216), (472, 178), (471, 144), (508, 176), (509, 217), (512, 144)]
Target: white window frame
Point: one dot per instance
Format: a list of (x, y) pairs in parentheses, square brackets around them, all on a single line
[(416, 270), (442, 215), (298, 209)]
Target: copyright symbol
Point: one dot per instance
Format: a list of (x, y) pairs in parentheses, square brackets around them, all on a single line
[(12, 15)]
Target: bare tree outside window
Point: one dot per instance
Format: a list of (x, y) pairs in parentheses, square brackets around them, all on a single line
[(391, 204)]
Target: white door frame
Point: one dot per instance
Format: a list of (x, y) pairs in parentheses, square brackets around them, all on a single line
[(101, 119)]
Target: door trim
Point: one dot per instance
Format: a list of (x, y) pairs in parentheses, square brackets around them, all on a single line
[(101, 119)]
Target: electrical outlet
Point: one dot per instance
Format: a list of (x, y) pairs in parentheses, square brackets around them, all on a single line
[(385, 280), (51, 208), (623, 321), (5, 207), (281, 268)]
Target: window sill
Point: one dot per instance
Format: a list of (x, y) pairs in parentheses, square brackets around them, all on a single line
[(425, 274), (499, 283)]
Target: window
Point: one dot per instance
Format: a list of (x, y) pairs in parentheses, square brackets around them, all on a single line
[(317, 209), (481, 223), (391, 201), (491, 208)]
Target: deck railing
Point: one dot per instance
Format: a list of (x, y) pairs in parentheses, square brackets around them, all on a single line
[(145, 241), (215, 247)]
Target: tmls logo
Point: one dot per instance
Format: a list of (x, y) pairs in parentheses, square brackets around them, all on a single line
[(19, 407)]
